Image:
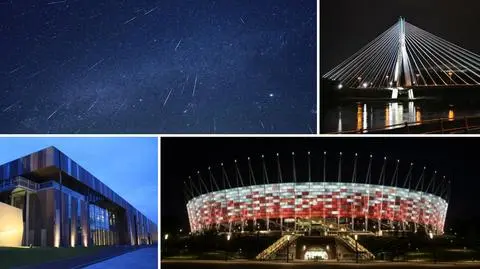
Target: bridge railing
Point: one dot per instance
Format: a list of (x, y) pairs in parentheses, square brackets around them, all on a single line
[(433, 126)]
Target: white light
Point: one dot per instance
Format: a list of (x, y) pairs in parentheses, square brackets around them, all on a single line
[(391, 83), (365, 84), (340, 86), (356, 237), (166, 236), (430, 234), (271, 95), (228, 237)]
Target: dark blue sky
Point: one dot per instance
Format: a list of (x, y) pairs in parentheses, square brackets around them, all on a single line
[(129, 166), (138, 66)]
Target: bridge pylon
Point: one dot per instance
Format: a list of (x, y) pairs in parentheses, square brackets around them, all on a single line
[(404, 58)]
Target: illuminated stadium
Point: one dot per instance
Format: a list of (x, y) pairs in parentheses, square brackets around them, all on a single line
[(362, 194)]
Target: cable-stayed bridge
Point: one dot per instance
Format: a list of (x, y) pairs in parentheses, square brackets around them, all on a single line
[(405, 57)]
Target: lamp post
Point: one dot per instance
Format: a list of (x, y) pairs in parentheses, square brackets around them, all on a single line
[(356, 248), (288, 246), (226, 249), (165, 237), (430, 235)]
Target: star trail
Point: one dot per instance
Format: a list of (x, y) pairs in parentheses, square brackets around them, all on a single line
[(158, 66)]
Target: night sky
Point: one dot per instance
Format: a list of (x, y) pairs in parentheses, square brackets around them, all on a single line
[(138, 66), (455, 158), (346, 26), (99, 156)]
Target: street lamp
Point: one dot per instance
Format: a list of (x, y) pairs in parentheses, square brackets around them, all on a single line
[(430, 235), (165, 237), (356, 247), (226, 249), (288, 246)]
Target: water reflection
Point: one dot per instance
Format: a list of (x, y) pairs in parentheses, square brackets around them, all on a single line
[(339, 121), (392, 115), (451, 114)]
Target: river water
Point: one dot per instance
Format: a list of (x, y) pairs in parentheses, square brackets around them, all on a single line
[(376, 115)]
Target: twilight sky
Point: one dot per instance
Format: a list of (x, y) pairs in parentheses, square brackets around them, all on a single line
[(143, 66), (346, 26), (129, 166)]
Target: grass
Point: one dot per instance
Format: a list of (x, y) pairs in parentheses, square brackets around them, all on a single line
[(13, 257)]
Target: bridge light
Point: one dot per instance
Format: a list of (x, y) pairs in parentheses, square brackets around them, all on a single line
[(365, 84), (391, 83), (340, 86), (359, 78)]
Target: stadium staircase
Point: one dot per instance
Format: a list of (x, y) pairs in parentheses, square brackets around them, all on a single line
[(363, 252), (277, 246)]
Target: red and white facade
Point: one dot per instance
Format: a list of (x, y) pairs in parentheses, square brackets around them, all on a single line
[(317, 200)]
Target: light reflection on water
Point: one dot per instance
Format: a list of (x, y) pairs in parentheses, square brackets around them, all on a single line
[(364, 116)]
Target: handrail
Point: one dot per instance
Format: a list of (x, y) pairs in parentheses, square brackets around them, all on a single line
[(19, 181), (354, 244), (276, 246)]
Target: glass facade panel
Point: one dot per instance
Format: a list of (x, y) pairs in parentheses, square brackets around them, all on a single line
[(316, 200), (103, 227)]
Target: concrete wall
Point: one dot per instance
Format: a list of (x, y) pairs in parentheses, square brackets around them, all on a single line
[(11, 226)]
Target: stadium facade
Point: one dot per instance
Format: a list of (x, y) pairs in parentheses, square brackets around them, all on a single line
[(63, 205), (358, 205)]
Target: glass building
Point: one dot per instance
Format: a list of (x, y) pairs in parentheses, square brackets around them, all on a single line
[(63, 205)]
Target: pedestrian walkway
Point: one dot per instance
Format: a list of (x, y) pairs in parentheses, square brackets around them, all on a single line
[(144, 258)]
